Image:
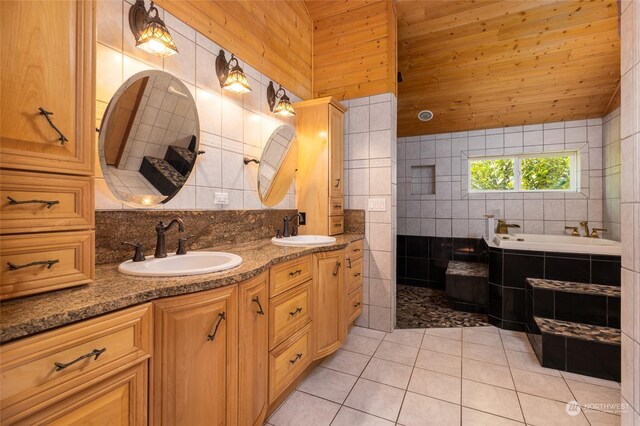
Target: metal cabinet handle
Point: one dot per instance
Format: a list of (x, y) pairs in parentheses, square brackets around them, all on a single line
[(357, 274), (94, 353), (13, 202), (212, 336), (349, 262), (356, 305), (338, 265), (356, 250), (49, 263), (293, 361), (296, 272), (296, 312), (61, 137), (337, 225), (338, 183), (257, 300), (337, 206)]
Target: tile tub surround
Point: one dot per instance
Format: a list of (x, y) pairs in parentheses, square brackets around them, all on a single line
[(231, 125), (112, 291), (451, 376)]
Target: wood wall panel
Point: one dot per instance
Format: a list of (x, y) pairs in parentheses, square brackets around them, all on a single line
[(272, 36)]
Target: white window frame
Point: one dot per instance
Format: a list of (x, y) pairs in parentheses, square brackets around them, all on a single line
[(517, 160)]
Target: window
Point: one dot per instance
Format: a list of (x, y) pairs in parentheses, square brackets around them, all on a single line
[(535, 172)]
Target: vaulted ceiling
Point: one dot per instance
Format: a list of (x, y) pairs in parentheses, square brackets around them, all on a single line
[(487, 63)]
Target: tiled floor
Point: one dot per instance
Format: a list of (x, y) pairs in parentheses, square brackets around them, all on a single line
[(443, 376)]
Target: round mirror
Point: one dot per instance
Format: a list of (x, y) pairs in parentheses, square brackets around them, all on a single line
[(149, 138), (277, 165)]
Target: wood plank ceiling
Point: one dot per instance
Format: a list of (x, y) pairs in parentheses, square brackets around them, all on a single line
[(487, 63)]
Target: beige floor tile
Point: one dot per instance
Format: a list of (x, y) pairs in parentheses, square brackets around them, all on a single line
[(441, 344), (420, 410), (388, 372), (454, 333), (589, 379), (487, 328), (471, 334), (404, 337), (492, 354), (485, 372), (415, 330), (545, 412), (517, 343), (360, 344), (528, 361), (303, 409), (328, 384), (367, 332), (511, 333), (397, 353), (491, 399), (478, 418), (597, 418), (607, 399), (542, 385), (436, 385), (347, 362), (375, 398), (442, 363), (350, 417)]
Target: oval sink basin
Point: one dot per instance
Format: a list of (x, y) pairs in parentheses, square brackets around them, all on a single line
[(303, 240), (195, 263)]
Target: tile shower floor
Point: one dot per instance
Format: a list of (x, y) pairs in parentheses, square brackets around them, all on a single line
[(444, 376)]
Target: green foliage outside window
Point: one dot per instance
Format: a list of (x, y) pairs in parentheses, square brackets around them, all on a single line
[(492, 175), (535, 174), (545, 173)]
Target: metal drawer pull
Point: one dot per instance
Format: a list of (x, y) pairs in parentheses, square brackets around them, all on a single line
[(357, 274), (49, 263), (296, 312), (212, 336), (13, 202), (94, 353), (337, 206), (349, 262), (61, 137), (338, 183), (356, 250), (356, 305), (293, 361), (338, 265), (296, 272), (336, 225), (257, 300)]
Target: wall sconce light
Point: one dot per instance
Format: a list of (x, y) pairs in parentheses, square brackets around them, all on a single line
[(231, 76), (284, 106), (150, 32)]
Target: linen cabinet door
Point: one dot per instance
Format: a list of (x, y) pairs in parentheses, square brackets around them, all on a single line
[(336, 166), (195, 359), (328, 310), (253, 347)]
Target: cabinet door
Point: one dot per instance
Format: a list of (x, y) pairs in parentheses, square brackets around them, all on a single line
[(328, 311), (47, 62), (253, 351), (195, 359), (336, 166)]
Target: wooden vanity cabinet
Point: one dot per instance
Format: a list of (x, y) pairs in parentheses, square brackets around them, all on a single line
[(320, 176), (328, 302)]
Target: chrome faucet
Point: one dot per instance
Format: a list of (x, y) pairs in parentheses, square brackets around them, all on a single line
[(503, 227), (285, 228), (161, 248)]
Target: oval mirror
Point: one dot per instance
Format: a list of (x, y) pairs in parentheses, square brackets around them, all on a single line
[(149, 138), (277, 165)]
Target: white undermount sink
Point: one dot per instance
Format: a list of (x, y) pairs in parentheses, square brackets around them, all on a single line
[(195, 263), (303, 240)]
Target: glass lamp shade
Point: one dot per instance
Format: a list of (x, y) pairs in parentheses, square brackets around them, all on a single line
[(156, 39), (284, 107), (236, 81)]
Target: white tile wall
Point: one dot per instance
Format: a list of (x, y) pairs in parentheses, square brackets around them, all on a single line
[(231, 125), (370, 165), (630, 209), (459, 214), (611, 164)]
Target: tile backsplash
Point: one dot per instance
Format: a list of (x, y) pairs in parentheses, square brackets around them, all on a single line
[(231, 125)]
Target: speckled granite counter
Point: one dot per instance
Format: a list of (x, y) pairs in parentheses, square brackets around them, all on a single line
[(112, 291)]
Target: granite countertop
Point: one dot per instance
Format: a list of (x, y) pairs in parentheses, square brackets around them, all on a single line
[(112, 290), (579, 331), (572, 287)]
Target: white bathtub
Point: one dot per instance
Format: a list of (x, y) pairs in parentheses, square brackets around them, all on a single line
[(557, 243)]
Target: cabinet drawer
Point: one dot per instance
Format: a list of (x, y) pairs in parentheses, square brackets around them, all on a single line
[(289, 274), (354, 275), (355, 305), (48, 367), (336, 225), (354, 250), (70, 197), (70, 256), (288, 360), (336, 206), (288, 313)]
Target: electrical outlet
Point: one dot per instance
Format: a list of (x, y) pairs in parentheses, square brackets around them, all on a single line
[(222, 198), (303, 218)]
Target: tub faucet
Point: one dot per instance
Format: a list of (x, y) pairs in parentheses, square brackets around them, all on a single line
[(594, 233), (285, 229), (161, 228), (503, 226), (585, 226)]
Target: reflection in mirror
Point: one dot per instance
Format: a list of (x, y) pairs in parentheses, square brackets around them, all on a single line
[(149, 138), (277, 165)]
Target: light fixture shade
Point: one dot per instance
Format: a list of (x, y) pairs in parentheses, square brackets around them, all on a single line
[(156, 39), (236, 81), (284, 107)]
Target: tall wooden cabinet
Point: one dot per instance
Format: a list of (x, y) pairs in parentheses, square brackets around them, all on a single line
[(328, 302), (320, 176)]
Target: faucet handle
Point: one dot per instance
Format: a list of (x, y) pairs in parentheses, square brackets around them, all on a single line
[(139, 255), (574, 230), (182, 244), (594, 232)]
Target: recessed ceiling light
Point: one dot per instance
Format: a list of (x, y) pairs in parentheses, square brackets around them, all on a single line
[(425, 115)]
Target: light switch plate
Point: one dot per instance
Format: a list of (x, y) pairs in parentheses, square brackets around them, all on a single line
[(222, 198), (377, 205)]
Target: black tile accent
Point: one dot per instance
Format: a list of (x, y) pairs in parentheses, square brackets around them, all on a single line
[(613, 312), (513, 305), (583, 308), (553, 352), (441, 248), (401, 244), (567, 269), (518, 268), (438, 270), (543, 303), (417, 247), (514, 326), (495, 267), (605, 272), (466, 249), (494, 307), (417, 268), (593, 359)]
